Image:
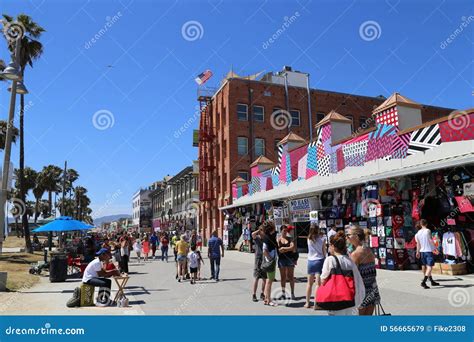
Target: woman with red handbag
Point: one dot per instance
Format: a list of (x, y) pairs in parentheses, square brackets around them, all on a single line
[(342, 288)]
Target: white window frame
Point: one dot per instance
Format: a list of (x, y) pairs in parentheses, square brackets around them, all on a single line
[(246, 144), (246, 112), (293, 120), (263, 147), (263, 113)]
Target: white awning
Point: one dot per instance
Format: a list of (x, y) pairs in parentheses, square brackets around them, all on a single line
[(446, 155)]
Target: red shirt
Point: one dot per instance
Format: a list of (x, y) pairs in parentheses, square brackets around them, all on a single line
[(164, 242)]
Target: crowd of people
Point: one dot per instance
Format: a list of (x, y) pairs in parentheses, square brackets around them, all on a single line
[(340, 264), (326, 257)]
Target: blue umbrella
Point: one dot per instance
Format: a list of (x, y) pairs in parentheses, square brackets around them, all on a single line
[(63, 224)]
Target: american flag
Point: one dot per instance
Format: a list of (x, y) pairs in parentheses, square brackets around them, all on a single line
[(203, 77)]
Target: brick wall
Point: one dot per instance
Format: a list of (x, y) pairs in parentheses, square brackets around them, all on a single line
[(227, 128)]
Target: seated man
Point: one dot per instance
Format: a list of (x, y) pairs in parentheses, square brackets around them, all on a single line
[(96, 273)]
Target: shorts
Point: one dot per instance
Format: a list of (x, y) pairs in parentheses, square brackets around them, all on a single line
[(181, 258), (284, 261), (271, 275), (258, 273), (315, 266), (427, 258), (193, 270)]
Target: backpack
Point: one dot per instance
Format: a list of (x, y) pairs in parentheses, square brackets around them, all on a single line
[(338, 292)]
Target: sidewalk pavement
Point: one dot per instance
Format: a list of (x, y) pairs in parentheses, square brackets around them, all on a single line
[(46, 298), (153, 289)]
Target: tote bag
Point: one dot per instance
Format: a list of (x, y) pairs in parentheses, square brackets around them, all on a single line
[(338, 292)]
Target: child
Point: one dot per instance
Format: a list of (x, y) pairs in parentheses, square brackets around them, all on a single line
[(146, 248), (137, 247), (193, 259), (201, 260)]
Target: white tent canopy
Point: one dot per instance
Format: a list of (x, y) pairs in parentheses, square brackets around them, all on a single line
[(446, 155)]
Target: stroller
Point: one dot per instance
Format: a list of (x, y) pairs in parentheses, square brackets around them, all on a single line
[(40, 265)]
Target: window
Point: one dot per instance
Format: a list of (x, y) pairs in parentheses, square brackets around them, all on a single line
[(350, 117), (363, 122), (319, 116), (242, 146), (259, 147), (295, 117), (244, 175), (267, 93), (258, 113), (242, 112)]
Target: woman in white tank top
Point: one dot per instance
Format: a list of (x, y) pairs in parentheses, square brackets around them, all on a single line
[(316, 255)]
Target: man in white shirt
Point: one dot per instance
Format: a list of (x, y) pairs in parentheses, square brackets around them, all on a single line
[(95, 274), (424, 251)]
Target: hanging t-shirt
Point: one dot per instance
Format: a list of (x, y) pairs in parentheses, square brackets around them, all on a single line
[(372, 209), (449, 244), (371, 190), (464, 204)]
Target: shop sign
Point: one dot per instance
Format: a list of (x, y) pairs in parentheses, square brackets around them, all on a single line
[(300, 217), (300, 205)]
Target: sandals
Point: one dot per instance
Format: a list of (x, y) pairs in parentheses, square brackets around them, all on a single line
[(270, 303), (307, 306)]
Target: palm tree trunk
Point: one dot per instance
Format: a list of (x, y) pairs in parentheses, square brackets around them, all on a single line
[(24, 217), (50, 200), (36, 210)]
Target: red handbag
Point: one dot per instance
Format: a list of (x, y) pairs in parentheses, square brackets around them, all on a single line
[(338, 292)]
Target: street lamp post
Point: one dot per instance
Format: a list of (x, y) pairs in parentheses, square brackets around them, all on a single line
[(12, 73)]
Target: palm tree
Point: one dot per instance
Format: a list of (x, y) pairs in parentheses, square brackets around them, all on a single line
[(82, 201), (3, 133), (38, 192), (31, 50), (29, 182), (51, 180)]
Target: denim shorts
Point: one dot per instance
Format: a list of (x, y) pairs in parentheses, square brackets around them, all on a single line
[(427, 258), (182, 258), (315, 266)]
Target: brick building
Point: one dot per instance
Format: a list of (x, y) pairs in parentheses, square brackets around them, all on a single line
[(237, 126)]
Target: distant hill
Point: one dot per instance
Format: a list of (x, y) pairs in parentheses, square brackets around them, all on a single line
[(98, 221)]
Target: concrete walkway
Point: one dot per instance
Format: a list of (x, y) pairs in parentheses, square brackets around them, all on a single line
[(153, 289)]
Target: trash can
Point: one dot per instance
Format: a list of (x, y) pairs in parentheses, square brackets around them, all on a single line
[(58, 267)]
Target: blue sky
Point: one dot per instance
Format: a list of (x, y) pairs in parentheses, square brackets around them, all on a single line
[(149, 91)]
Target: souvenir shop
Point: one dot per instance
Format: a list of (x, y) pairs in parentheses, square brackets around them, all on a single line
[(389, 210)]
